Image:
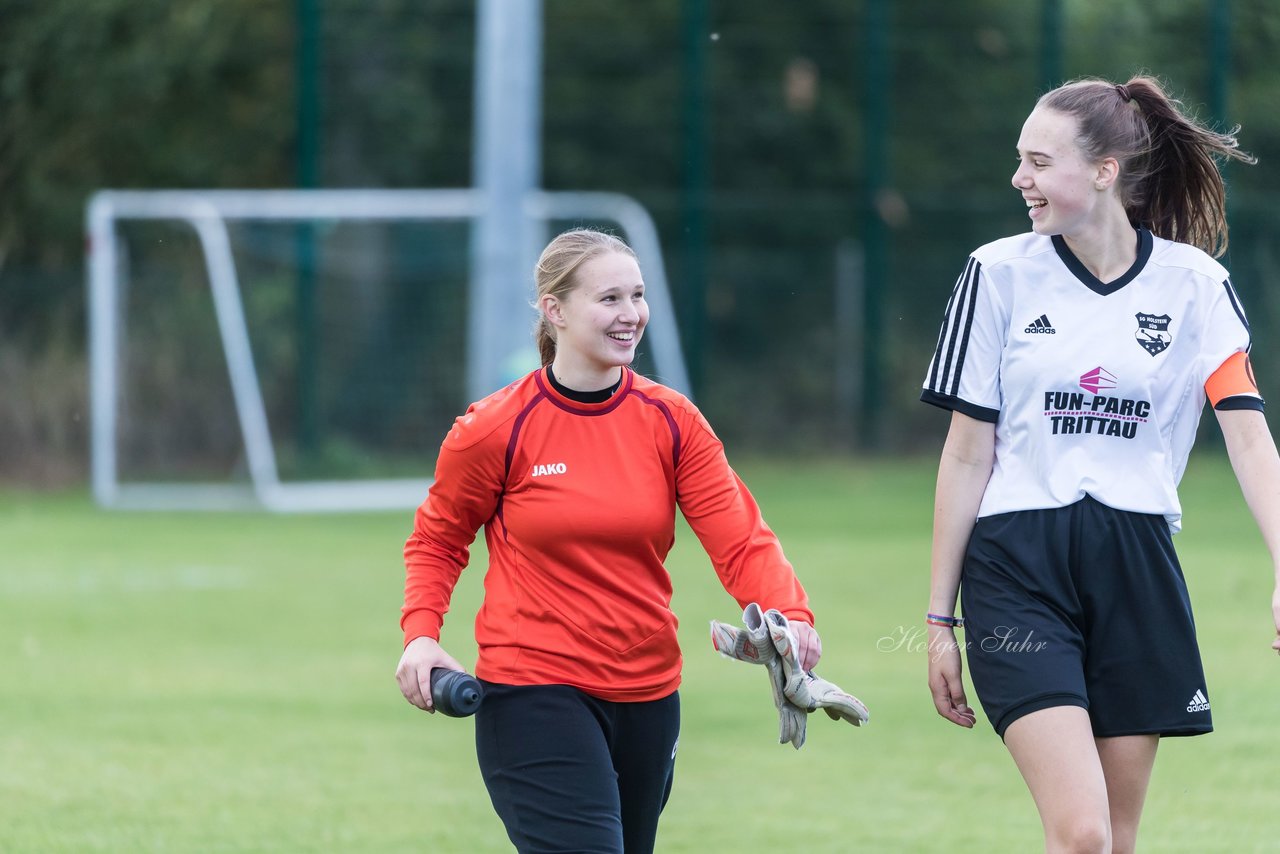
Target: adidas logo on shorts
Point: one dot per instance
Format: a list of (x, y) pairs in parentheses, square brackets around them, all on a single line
[(1199, 703)]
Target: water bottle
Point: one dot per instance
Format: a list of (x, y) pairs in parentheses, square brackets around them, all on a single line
[(455, 692)]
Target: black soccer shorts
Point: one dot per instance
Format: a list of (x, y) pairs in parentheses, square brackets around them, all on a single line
[(570, 772), (1083, 606)]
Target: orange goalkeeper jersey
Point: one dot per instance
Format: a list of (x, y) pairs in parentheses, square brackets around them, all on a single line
[(578, 505)]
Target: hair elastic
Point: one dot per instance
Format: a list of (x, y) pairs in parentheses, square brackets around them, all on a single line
[(1123, 89)]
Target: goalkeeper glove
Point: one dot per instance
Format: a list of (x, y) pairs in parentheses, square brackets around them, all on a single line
[(755, 647), (805, 689)]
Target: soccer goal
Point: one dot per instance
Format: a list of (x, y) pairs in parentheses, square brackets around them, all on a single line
[(299, 350)]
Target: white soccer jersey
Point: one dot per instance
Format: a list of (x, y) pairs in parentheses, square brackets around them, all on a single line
[(1094, 388)]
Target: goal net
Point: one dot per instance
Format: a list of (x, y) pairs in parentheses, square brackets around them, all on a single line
[(300, 350)]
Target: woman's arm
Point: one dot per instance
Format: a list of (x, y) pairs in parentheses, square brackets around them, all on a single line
[(744, 551), (1257, 466), (963, 472), (462, 498)]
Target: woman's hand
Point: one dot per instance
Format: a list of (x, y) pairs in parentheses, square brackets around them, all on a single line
[(945, 683), (1275, 612), (808, 644), (413, 674)]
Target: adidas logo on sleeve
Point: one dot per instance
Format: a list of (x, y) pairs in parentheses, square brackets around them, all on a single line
[(1199, 703)]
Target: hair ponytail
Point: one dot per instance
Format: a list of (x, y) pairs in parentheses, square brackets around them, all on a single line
[(1170, 179), (545, 339)]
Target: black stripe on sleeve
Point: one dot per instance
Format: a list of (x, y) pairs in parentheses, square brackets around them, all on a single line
[(953, 341), (968, 327), (1235, 303), (964, 407), (936, 363)]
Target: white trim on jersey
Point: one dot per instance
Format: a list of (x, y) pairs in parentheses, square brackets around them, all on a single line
[(1095, 388)]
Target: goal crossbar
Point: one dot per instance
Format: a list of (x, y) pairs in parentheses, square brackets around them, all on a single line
[(207, 213)]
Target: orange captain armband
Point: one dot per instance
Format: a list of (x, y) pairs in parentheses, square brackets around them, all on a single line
[(1232, 386)]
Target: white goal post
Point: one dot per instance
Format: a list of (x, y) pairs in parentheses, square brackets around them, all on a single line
[(207, 213)]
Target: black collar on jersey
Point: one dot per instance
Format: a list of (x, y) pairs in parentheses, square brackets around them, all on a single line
[(583, 396), (1092, 282)]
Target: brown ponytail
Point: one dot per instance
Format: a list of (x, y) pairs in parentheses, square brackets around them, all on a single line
[(554, 275), (1170, 181)]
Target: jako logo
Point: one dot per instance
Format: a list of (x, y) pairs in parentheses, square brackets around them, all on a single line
[(550, 468)]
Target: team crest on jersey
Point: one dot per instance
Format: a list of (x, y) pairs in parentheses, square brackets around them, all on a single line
[(1153, 332)]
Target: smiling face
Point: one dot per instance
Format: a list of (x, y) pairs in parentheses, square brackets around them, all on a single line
[(599, 322), (1059, 184)]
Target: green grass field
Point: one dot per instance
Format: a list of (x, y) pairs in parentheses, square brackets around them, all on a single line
[(223, 683)]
